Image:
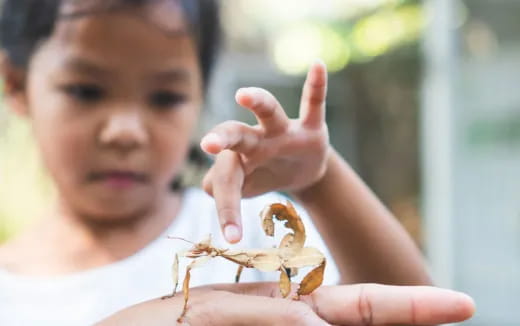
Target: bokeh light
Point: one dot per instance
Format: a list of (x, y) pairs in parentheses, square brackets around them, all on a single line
[(378, 33), (297, 47)]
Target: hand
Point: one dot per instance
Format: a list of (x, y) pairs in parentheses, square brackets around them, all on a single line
[(254, 304), (276, 154)]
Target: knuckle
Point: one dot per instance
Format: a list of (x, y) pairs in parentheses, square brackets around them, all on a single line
[(225, 213), (224, 178), (315, 99), (241, 126), (319, 83), (364, 305), (266, 106)]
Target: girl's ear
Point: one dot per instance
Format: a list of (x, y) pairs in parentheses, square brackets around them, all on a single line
[(14, 87)]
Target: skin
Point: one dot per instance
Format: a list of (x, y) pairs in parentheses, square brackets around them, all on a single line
[(96, 106), (352, 305), (294, 155), (99, 105), (122, 130)]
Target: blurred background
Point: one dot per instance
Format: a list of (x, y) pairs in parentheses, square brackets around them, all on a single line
[(422, 102)]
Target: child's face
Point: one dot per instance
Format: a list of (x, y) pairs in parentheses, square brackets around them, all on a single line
[(113, 101)]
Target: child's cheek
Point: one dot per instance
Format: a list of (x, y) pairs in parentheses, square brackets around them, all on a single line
[(64, 145)]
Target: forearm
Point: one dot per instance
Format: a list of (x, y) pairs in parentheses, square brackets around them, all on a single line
[(366, 241), (147, 313)]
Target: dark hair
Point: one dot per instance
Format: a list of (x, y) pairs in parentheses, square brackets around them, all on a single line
[(25, 24)]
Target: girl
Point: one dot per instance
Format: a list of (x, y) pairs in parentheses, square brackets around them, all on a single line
[(113, 90)]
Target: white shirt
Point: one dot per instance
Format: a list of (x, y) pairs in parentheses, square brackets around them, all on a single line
[(87, 297)]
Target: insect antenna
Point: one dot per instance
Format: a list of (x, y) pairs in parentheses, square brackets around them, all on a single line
[(182, 239)]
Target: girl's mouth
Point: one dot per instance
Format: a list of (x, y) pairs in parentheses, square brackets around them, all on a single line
[(119, 179)]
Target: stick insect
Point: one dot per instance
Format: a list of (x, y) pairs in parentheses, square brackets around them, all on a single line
[(287, 258)]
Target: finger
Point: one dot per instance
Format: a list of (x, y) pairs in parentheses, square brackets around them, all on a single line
[(267, 109), (249, 310), (312, 106), (233, 135), (227, 178), (373, 304)]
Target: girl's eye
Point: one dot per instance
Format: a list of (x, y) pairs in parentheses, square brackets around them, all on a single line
[(84, 92), (166, 99)]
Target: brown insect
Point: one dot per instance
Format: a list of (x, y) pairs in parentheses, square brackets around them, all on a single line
[(287, 258)]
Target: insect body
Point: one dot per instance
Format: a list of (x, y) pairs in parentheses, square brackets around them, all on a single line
[(287, 258)]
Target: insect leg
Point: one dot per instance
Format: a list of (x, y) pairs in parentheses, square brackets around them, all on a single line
[(175, 276), (311, 281), (285, 282), (186, 284), (239, 272)]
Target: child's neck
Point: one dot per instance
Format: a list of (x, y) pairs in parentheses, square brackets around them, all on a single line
[(62, 243)]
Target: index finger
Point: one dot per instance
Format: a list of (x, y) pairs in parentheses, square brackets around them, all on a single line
[(374, 304), (225, 184)]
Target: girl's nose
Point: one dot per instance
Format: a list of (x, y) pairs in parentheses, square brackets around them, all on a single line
[(124, 130)]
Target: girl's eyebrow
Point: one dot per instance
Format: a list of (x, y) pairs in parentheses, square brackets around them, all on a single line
[(172, 75), (85, 66)]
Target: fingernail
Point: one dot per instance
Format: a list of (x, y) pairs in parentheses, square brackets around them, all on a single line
[(212, 138), (239, 92), (243, 96), (320, 61), (232, 233), (467, 303)]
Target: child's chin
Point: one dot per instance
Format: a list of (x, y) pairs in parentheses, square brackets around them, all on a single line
[(117, 215), (122, 208)]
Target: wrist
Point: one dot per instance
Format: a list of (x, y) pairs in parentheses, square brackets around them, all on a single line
[(315, 188)]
